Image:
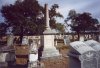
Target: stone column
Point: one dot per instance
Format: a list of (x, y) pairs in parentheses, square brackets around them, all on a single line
[(47, 17), (49, 49)]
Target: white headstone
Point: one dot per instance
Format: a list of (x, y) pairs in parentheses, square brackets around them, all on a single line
[(34, 48), (24, 41), (81, 38)]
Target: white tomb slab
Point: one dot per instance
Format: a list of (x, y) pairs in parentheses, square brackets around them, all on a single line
[(81, 47)]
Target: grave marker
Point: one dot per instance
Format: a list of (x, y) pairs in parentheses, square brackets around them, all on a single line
[(48, 39), (82, 56), (96, 45)]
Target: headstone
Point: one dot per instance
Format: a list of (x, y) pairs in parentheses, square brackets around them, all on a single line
[(81, 38), (10, 37), (33, 56), (33, 48), (24, 41), (66, 40), (48, 39), (82, 56), (96, 45)]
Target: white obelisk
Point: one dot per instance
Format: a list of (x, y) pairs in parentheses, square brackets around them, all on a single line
[(48, 39)]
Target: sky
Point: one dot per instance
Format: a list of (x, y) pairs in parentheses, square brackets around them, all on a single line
[(80, 6)]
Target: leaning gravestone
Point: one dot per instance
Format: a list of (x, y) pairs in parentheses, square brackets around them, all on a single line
[(82, 56), (96, 45)]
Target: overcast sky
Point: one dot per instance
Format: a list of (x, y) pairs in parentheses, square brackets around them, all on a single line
[(92, 6)]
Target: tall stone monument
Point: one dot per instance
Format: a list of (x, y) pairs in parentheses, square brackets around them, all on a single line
[(48, 39)]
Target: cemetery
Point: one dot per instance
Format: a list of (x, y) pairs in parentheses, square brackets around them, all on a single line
[(51, 49)]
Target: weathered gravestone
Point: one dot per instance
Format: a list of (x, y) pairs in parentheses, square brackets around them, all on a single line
[(82, 56), (96, 45)]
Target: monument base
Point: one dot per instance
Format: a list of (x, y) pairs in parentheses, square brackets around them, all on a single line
[(50, 53), (49, 48)]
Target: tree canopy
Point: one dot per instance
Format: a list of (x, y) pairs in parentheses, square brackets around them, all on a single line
[(27, 17), (60, 27), (3, 28), (81, 22), (22, 16)]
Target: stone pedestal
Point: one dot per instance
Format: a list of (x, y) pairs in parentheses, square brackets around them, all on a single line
[(49, 48)]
